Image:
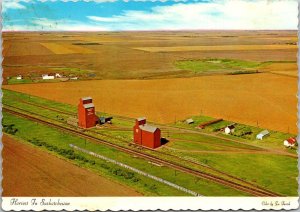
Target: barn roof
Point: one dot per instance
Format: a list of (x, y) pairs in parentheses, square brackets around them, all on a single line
[(231, 127), (86, 98), (141, 118), (148, 128), (264, 132), (291, 140), (88, 105)]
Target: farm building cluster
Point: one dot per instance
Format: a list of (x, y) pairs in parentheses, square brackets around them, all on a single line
[(230, 129), (49, 76)]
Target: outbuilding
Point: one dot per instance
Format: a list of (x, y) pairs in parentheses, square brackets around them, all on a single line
[(229, 129), (290, 142), (146, 135), (262, 134), (189, 121), (58, 75), (19, 77), (47, 77)]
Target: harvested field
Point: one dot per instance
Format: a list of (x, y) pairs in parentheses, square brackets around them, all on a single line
[(289, 69), (267, 99), (43, 174), (57, 48), (216, 48)]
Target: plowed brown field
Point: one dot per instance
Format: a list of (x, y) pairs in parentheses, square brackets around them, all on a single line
[(28, 171), (266, 98)]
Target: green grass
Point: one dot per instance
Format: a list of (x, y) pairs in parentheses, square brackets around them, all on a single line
[(62, 140), (74, 71), (204, 139), (275, 172), (14, 80), (216, 65)]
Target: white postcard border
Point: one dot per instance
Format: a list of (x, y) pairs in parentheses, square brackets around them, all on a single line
[(148, 203)]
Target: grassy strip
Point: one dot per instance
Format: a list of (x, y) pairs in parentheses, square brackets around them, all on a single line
[(230, 66), (207, 65)]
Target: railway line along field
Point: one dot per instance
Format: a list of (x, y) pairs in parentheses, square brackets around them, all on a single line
[(57, 113)]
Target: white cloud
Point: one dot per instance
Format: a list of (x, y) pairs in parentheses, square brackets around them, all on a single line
[(231, 14), (12, 5), (44, 24)]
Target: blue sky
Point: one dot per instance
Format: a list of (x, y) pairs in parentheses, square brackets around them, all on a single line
[(115, 15)]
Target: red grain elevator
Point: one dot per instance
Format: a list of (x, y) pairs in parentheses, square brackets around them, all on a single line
[(146, 135), (86, 113)]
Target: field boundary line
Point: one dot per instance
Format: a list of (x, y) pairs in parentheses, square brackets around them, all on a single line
[(136, 170)]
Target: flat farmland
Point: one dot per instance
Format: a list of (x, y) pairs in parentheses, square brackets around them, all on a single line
[(265, 99), (46, 175), (116, 55)]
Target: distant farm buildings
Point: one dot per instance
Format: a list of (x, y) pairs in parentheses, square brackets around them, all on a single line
[(262, 134), (146, 135), (290, 142), (19, 77), (86, 113)]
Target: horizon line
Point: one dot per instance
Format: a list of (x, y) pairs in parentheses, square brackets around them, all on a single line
[(154, 30)]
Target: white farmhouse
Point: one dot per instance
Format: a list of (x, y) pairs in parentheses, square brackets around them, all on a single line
[(19, 77), (290, 142), (47, 77), (229, 129)]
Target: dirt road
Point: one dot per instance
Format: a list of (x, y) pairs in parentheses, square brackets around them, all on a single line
[(28, 171)]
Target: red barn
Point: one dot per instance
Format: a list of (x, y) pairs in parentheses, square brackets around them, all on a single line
[(146, 135), (86, 113)]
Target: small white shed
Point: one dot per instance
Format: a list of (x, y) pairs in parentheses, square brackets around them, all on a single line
[(19, 77), (57, 75), (189, 121), (262, 134)]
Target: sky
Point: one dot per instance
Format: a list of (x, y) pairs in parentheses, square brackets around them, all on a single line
[(125, 15)]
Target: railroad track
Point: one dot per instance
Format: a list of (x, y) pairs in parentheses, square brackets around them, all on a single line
[(257, 191)]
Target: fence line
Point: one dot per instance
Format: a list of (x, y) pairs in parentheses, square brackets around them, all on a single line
[(136, 170)]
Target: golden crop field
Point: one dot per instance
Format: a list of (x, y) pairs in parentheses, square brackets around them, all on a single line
[(267, 99)]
